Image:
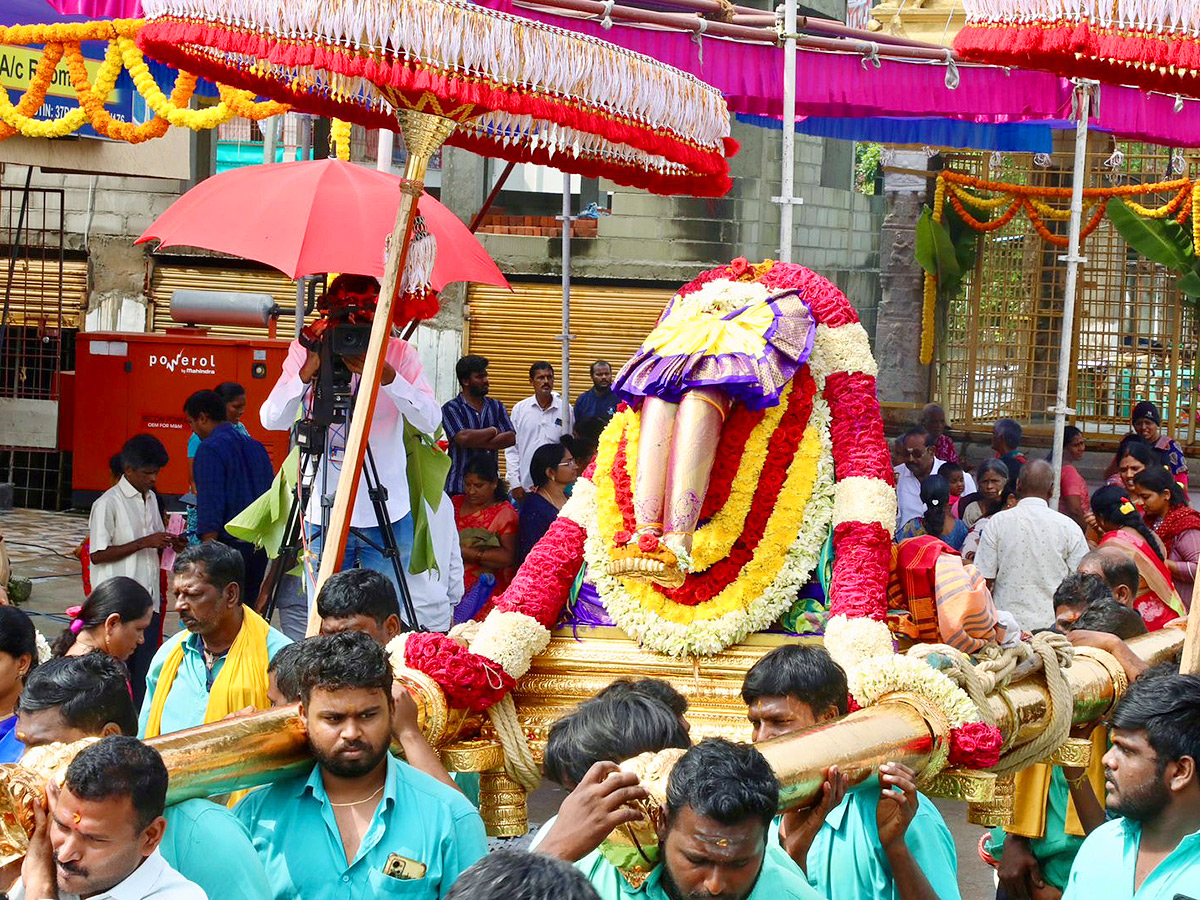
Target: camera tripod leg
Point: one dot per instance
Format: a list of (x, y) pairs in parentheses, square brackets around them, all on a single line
[(391, 550)]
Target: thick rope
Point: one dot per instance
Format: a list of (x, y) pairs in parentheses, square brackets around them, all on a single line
[(518, 757), (1056, 654), (958, 668)]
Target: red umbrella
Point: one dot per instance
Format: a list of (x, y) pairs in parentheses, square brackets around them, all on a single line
[(308, 218)]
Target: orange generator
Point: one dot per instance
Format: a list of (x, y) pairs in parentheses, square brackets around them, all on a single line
[(128, 383)]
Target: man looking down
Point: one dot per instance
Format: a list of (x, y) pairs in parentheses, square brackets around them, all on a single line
[(880, 839)]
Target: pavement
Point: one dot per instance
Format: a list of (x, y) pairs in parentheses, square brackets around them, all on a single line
[(41, 544)]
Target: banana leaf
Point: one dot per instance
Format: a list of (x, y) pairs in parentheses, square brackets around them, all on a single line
[(1163, 241), (427, 468), (1189, 284), (934, 250)]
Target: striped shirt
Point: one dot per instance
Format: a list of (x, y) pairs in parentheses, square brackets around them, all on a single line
[(459, 415)]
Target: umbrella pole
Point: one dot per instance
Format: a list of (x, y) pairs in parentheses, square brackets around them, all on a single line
[(1083, 100), (423, 134)]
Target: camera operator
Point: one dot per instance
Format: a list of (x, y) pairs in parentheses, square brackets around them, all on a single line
[(403, 394)]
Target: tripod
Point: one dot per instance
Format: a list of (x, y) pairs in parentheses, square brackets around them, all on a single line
[(312, 439)]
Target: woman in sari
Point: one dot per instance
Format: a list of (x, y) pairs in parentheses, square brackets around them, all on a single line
[(1176, 524), (1148, 423), (1073, 490), (18, 657), (1122, 526), (992, 478), (487, 525), (1132, 456)]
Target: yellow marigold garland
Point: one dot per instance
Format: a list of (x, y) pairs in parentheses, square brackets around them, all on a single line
[(339, 134), (62, 42), (758, 574), (929, 304)]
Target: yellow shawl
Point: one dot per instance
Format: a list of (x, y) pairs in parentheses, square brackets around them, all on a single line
[(241, 682), (1033, 793)]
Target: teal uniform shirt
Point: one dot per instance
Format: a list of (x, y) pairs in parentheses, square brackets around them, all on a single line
[(1106, 865), (205, 844), (1055, 850), (847, 862), (188, 699), (292, 826), (778, 879)]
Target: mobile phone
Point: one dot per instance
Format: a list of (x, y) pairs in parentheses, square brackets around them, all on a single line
[(403, 868)]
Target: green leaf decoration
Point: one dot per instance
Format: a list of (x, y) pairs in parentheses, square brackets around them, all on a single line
[(934, 250), (1189, 284), (1163, 241)]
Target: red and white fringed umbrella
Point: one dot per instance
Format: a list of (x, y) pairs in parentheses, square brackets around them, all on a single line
[(440, 70), (1152, 44)]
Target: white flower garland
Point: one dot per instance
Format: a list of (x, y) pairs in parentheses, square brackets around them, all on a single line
[(852, 641), (845, 348), (711, 636), (580, 506), (863, 499), (511, 640), (874, 678)]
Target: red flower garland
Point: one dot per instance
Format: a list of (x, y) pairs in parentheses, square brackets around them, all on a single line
[(860, 571), (469, 680), (623, 487), (856, 427), (975, 745), (539, 589)]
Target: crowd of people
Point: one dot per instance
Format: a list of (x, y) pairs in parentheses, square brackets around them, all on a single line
[(980, 559)]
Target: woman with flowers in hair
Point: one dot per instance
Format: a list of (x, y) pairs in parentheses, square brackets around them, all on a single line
[(1122, 526), (936, 520), (113, 620), (1176, 524), (738, 337)]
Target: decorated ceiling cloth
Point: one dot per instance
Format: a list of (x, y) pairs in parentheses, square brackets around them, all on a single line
[(1154, 45), (841, 85), (518, 90), (1011, 137)]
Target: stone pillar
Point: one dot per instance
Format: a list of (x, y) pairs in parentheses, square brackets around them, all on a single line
[(902, 378)]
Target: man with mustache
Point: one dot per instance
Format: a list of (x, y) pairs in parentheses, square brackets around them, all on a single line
[(1153, 850), (77, 697), (361, 823), (218, 665), (98, 836), (713, 843)]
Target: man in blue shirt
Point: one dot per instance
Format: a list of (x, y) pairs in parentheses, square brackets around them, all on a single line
[(361, 824), (231, 470), (475, 424), (1153, 851), (600, 402), (880, 839), (77, 697)]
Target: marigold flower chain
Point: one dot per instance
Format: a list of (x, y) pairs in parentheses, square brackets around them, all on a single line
[(63, 44)]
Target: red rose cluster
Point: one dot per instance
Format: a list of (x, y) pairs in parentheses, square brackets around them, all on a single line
[(975, 745)]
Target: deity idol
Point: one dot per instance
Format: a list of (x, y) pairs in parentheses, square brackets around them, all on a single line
[(719, 342)]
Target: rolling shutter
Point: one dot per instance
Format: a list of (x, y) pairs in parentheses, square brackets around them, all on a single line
[(34, 299), (167, 279), (514, 330)]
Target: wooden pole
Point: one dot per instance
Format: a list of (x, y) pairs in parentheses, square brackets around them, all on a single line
[(423, 134)]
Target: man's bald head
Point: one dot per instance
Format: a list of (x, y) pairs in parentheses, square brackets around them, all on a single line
[(1116, 567), (1036, 480)]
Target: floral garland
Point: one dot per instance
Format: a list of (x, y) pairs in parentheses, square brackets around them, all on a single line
[(62, 44), (843, 435), (952, 187), (973, 743)]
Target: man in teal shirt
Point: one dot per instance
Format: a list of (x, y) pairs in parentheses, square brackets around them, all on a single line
[(1153, 851), (881, 839), (713, 844), (361, 824), (208, 582), (77, 697)]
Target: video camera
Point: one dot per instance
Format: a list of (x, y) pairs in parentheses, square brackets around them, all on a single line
[(344, 329)]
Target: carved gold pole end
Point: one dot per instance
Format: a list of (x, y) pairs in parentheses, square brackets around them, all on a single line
[(1074, 753), (502, 805), (963, 785), (999, 811)]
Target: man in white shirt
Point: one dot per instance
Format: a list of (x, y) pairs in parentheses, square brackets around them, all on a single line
[(126, 527), (404, 395), (916, 449), (99, 836), (435, 593), (537, 420), (1025, 552)]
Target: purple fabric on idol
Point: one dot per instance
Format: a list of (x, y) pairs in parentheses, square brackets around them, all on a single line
[(588, 609)]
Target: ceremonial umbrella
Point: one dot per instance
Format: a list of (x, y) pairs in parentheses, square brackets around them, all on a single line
[(311, 217), (448, 70)]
